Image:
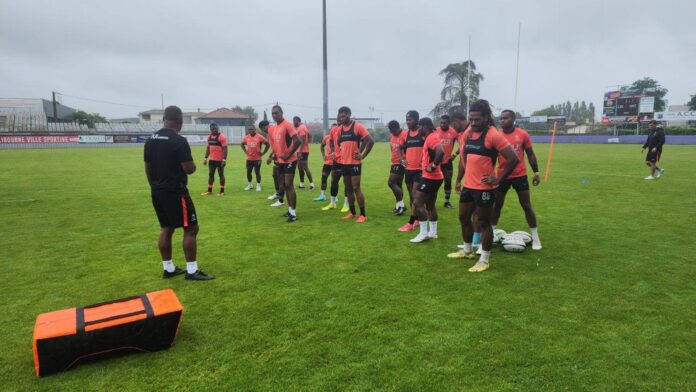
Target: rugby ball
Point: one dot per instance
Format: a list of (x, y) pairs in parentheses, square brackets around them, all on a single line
[(513, 244), (526, 237), (498, 235)]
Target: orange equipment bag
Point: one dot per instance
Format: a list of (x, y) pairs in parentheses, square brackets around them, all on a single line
[(64, 338)]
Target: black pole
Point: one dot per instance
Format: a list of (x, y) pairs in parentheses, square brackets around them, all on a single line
[(55, 108), (326, 77)]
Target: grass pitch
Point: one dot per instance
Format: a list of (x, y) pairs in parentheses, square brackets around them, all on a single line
[(324, 304)]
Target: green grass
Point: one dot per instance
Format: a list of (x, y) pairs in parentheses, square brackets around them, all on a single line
[(324, 304)]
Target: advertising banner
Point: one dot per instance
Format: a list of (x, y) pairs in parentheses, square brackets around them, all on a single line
[(538, 119), (40, 139), (676, 116), (92, 139), (122, 139)]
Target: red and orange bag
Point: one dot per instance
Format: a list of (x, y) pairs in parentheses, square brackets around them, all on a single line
[(143, 323)]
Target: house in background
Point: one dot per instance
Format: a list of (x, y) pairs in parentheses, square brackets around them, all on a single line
[(154, 116), (225, 117)]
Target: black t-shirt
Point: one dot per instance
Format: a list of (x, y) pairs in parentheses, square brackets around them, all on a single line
[(165, 150)]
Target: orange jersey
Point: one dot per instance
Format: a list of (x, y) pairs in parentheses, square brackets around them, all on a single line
[(303, 132), (520, 141), (397, 143), (481, 156), (347, 140), (413, 143), (253, 146), (447, 138), (281, 139), (431, 143), (215, 145), (326, 142)]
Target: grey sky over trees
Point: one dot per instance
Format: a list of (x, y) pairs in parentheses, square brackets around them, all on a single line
[(382, 54)]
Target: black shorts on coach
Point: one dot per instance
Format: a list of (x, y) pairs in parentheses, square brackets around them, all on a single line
[(397, 169), (519, 184), (653, 156), (174, 208), (480, 197), (429, 186)]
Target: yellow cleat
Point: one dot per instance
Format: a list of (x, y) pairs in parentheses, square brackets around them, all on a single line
[(480, 266), (345, 209), (206, 193), (329, 207), (462, 255)]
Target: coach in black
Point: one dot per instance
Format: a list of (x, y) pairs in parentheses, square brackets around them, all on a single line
[(654, 143), (168, 161)]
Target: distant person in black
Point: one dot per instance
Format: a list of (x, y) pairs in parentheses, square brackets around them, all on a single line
[(654, 143), (168, 161)]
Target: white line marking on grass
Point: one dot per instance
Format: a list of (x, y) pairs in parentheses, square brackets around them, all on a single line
[(18, 201)]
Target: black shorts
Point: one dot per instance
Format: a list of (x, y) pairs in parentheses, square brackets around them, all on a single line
[(481, 197), (429, 186), (287, 168), (447, 166), (303, 156), (653, 156), (253, 164), (174, 208), (412, 176), (213, 165), (518, 183), (326, 169), (351, 170), (397, 169)]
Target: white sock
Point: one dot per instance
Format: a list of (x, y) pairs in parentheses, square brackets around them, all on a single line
[(493, 227), (334, 199), (191, 266), (292, 211), (433, 227), (423, 228), (250, 184), (168, 265), (323, 193), (311, 184), (467, 247), (345, 200), (400, 203), (535, 233), (301, 183), (485, 256)]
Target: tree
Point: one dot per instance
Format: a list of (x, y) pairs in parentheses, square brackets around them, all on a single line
[(265, 116), (249, 111), (549, 111), (453, 96), (88, 118), (660, 92), (591, 112), (692, 103)]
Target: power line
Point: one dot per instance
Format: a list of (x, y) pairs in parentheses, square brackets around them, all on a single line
[(106, 102)]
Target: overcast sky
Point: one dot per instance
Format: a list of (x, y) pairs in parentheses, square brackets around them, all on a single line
[(384, 54)]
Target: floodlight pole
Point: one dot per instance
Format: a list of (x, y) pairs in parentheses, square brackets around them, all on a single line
[(468, 80), (326, 77), (55, 108), (517, 68)]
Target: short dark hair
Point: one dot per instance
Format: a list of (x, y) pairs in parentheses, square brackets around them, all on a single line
[(173, 113), (213, 125), (413, 114), (458, 116), (426, 122), (511, 112), (277, 107), (263, 123), (445, 117), (653, 121), (297, 118), (344, 109), (393, 125)]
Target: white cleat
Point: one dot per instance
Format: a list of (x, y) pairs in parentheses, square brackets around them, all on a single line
[(536, 245), (258, 187), (419, 238), (432, 236), (248, 187), (278, 203), (649, 178), (479, 250), (273, 196)]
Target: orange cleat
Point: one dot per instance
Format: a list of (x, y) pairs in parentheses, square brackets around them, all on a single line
[(349, 216), (361, 219)]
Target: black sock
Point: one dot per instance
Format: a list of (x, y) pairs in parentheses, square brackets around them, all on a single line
[(412, 219), (210, 188), (352, 210), (362, 211)]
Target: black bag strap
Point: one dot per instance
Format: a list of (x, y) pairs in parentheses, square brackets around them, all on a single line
[(80, 312)]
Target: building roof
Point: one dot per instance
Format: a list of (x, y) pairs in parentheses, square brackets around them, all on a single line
[(225, 113), (161, 111)]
